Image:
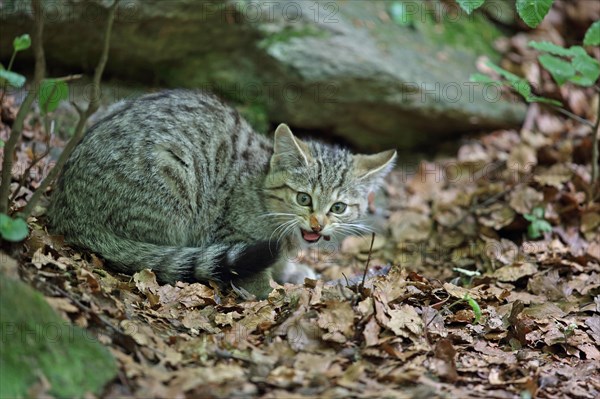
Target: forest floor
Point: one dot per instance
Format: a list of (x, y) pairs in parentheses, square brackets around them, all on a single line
[(493, 289)]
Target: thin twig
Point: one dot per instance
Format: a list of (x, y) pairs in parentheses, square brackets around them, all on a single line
[(83, 116), (36, 159), (364, 277), (571, 115), (17, 127), (68, 78), (595, 142)]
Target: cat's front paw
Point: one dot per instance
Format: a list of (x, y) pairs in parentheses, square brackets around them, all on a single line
[(294, 273)]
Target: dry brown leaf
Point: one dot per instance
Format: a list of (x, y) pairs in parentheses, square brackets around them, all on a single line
[(554, 176), (410, 226), (337, 317), (522, 159), (39, 259), (524, 198), (404, 321), (515, 272)]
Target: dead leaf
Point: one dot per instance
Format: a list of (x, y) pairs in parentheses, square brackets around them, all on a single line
[(515, 272)]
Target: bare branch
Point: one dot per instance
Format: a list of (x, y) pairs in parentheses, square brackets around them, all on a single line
[(83, 116), (595, 142), (17, 128), (36, 159)]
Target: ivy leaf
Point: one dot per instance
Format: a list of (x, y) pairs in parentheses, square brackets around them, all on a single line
[(560, 69), (532, 12), (14, 79), (13, 229), (592, 36), (470, 5), (52, 92), (22, 42)]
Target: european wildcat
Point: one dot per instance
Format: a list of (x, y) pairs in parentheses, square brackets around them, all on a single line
[(178, 183)]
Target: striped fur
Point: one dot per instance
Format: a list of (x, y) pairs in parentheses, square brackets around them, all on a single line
[(178, 182)]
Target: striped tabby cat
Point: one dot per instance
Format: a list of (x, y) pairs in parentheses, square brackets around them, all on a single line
[(178, 183)]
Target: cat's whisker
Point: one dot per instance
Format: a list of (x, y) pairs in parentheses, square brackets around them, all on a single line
[(277, 214), (351, 229), (287, 230), (281, 227)]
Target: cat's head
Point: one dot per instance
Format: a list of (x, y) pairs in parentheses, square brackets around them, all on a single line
[(315, 191)]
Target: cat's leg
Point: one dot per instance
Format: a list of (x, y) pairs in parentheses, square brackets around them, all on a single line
[(259, 284), (286, 271)]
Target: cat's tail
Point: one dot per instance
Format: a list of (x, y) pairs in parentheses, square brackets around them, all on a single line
[(218, 262)]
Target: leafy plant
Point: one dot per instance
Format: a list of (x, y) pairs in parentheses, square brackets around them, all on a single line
[(52, 92), (532, 12), (575, 66), (49, 93), (13, 229), (7, 77), (537, 224), (566, 65), (474, 306)]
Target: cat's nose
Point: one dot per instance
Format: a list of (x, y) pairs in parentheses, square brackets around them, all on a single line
[(314, 224)]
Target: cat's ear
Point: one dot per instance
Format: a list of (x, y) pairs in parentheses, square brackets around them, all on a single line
[(374, 167), (289, 151)]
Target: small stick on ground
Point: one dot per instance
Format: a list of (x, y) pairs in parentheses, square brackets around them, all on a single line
[(364, 277)]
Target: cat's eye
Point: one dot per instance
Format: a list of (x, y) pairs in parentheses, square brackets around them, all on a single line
[(338, 207), (303, 199)]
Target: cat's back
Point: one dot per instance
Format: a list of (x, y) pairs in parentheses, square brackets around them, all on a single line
[(175, 151), (192, 128), (191, 116)]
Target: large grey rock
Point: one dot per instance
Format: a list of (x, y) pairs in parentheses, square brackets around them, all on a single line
[(338, 67)]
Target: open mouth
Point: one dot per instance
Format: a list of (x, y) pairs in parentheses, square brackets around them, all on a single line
[(312, 237)]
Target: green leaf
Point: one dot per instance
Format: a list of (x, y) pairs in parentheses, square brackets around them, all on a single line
[(13, 229), (511, 77), (560, 69), (481, 78), (537, 227), (474, 306), (22, 42), (400, 15), (592, 36), (546, 100), (52, 92), (553, 48), (533, 232), (470, 5), (588, 67), (14, 79), (532, 12), (522, 87), (1, 143), (538, 212)]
